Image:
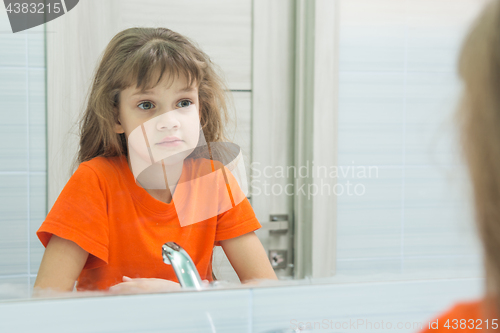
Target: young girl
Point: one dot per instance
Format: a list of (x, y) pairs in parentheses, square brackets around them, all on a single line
[(106, 229), (479, 116)]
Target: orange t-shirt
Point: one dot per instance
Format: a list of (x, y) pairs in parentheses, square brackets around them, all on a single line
[(123, 227), (473, 316)]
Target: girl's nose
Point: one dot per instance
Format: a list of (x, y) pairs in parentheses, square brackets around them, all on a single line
[(167, 121)]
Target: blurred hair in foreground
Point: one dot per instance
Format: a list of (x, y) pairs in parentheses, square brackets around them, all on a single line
[(479, 121)]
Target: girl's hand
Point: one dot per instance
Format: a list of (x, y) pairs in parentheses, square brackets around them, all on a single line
[(130, 285)]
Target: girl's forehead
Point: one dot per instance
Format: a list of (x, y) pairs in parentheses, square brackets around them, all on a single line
[(174, 83)]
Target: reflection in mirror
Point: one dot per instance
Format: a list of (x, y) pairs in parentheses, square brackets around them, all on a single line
[(157, 114), (359, 180)]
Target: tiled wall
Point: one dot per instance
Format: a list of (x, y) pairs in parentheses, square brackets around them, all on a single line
[(22, 155), (398, 93)]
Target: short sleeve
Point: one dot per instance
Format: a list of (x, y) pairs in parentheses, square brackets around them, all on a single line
[(235, 222), (460, 311), (80, 215)]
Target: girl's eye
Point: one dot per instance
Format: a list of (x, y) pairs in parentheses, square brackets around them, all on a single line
[(146, 105), (184, 103)]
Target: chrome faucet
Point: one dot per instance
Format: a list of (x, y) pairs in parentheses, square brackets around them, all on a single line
[(184, 268)]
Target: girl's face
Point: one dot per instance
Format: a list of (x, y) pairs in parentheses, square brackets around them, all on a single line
[(166, 118)]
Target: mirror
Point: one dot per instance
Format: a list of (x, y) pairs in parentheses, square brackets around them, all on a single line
[(344, 117)]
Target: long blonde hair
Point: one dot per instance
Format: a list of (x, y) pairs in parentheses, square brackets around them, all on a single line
[(141, 57), (479, 117)]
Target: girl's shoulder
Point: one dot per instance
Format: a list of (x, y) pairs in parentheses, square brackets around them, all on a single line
[(464, 312), (105, 165), (106, 169)]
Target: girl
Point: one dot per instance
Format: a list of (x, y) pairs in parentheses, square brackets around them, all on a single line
[(106, 229), (479, 115)]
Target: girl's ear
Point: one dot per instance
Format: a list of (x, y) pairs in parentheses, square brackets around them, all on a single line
[(118, 127)]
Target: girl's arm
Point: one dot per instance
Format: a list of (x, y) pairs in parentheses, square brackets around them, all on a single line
[(61, 265), (248, 257)]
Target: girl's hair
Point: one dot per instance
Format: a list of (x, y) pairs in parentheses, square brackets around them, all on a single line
[(479, 119), (142, 57)]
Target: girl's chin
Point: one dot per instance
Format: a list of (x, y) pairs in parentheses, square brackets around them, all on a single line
[(171, 159), (169, 156)]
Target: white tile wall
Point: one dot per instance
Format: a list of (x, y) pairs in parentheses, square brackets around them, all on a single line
[(430, 135), (370, 119), (372, 35), (240, 131), (13, 45), (437, 217), (13, 128), (14, 224), (398, 94), (37, 123), (369, 225), (22, 156)]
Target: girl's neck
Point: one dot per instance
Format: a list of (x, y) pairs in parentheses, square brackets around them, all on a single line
[(160, 180)]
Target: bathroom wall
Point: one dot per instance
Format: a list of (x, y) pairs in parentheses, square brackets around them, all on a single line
[(23, 167), (398, 92)]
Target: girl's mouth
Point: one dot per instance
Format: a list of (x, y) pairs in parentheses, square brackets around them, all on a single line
[(170, 143)]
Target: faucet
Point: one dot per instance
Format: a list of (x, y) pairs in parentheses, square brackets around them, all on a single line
[(184, 268)]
